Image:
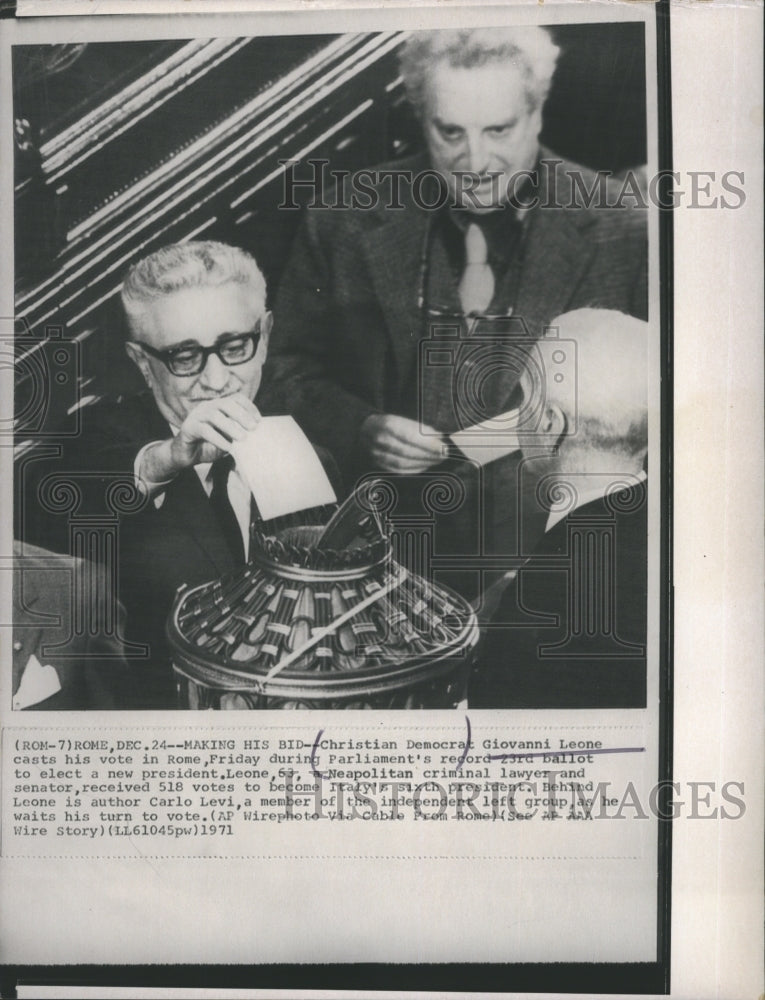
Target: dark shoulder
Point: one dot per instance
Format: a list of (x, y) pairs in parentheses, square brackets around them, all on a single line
[(363, 198), (125, 417), (623, 509), (605, 203), (45, 574), (33, 557), (379, 177), (112, 432)]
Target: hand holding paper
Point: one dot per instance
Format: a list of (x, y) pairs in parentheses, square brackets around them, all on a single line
[(492, 439), (281, 467)]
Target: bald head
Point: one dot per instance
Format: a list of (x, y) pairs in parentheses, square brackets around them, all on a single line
[(611, 397)]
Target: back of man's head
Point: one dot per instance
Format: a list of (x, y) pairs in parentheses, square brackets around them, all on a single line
[(529, 48), (611, 394), (196, 264)]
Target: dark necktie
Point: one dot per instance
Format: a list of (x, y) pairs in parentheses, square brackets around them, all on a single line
[(221, 505)]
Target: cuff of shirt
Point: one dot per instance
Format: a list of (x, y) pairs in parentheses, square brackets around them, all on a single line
[(145, 485)]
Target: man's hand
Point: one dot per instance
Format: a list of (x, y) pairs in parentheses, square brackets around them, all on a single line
[(205, 434), (397, 444), (209, 429)]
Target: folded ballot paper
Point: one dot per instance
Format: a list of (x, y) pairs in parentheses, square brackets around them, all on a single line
[(279, 464), (492, 439)]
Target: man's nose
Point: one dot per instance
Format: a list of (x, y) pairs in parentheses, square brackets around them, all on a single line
[(215, 375), (476, 153)]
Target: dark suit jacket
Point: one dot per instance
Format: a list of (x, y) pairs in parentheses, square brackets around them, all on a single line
[(347, 320), (579, 608), (347, 331), (160, 549), (90, 665)]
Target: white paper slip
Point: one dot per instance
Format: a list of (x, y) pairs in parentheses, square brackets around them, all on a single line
[(492, 439), (38, 683), (279, 464)]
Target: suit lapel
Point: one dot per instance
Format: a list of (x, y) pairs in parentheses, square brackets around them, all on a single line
[(393, 247), (556, 258), (188, 505)]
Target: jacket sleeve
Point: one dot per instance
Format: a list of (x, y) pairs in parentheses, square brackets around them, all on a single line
[(84, 475)]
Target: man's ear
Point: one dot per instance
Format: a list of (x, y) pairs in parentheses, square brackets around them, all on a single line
[(266, 325), (553, 424), (536, 119), (139, 359)]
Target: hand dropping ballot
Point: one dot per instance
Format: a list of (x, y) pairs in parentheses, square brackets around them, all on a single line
[(279, 464), (492, 439)]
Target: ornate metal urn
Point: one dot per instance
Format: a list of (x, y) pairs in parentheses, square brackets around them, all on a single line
[(307, 624)]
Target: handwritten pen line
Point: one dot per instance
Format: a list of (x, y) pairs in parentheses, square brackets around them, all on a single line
[(314, 748), (463, 758), (522, 755)]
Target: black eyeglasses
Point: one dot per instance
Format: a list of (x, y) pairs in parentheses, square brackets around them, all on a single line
[(190, 359)]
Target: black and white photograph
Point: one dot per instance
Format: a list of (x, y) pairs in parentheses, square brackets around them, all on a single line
[(315, 328), (351, 365)]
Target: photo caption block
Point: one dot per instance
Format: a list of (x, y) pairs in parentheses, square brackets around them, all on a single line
[(568, 790)]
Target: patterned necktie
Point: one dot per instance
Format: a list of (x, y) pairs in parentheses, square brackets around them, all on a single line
[(477, 284), (222, 508)]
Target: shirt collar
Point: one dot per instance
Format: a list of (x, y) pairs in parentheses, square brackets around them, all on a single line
[(601, 487), (502, 229)]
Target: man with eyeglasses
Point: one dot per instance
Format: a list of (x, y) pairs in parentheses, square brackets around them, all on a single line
[(199, 336), (488, 225), (198, 332)]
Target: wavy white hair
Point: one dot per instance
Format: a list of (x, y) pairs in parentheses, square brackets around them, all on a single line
[(531, 49), (196, 264)]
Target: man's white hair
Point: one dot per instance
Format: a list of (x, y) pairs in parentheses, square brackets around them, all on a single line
[(196, 264), (611, 380), (530, 49)]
